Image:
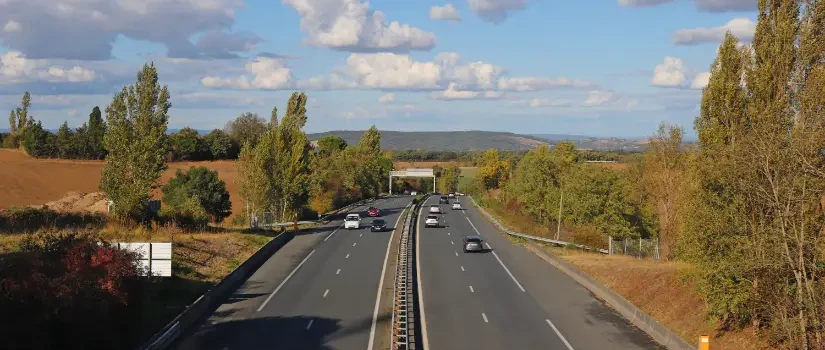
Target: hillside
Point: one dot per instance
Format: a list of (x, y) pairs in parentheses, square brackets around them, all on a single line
[(597, 143), (443, 140)]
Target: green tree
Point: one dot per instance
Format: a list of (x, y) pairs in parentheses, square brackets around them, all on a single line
[(248, 127), (535, 184), (137, 120), (38, 142), (491, 170), (220, 145), (369, 147), (186, 144), (204, 186), (95, 130), (66, 142), (331, 144)]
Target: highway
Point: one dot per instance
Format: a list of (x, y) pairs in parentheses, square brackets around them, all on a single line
[(505, 297), (319, 291)]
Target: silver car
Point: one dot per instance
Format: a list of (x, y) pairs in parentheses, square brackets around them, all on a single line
[(473, 244)]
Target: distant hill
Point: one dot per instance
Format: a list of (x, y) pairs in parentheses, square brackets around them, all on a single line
[(597, 143), (443, 140)]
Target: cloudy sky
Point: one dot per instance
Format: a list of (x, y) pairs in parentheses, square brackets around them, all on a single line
[(591, 67)]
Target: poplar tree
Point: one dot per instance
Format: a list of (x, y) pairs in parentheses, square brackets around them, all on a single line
[(137, 120)]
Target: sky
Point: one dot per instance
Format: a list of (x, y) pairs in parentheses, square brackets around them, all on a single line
[(586, 67)]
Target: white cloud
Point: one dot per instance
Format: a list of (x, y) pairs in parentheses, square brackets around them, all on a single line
[(447, 12), (642, 3), (598, 98), (217, 100), (88, 29), (700, 81), (454, 93), (381, 112), (15, 69), (671, 73), (349, 25), (388, 71), (72, 113), (266, 74), (386, 98), (541, 102), (12, 26), (495, 11), (631, 104), (535, 84), (742, 28)]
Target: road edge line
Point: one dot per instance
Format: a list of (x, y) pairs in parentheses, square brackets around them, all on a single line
[(284, 281), (424, 340)]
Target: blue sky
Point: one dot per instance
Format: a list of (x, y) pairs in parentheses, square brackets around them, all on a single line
[(589, 67)]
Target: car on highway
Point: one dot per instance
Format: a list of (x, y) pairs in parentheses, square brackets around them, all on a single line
[(473, 244), (456, 205), (444, 200), (352, 221), (373, 211), (435, 208), (378, 225), (414, 193), (431, 221), (451, 195)]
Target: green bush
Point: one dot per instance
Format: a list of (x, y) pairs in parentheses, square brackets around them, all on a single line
[(27, 219), (202, 185), (188, 215)]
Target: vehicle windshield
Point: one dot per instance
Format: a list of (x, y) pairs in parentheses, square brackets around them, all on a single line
[(353, 218), (432, 217), (378, 222), (434, 206), (473, 240)]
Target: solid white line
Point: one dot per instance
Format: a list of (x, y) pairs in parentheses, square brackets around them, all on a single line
[(346, 257), (559, 334), (497, 258), (381, 283), (462, 268), (337, 272), (485, 317), (471, 289), (310, 324), (326, 292), (333, 232), (506, 269), (425, 340), (284, 281)]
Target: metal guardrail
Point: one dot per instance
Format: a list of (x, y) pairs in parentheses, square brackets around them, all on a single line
[(402, 335), (541, 239), (323, 218)]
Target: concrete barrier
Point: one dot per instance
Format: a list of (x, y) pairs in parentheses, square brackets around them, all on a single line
[(200, 310), (639, 318)]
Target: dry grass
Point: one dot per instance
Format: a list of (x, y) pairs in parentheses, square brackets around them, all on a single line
[(663, 291), (29, 181)]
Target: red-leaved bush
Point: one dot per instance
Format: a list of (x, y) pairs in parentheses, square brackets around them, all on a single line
[(65, 291)]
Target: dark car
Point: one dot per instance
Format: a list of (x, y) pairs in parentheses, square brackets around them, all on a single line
[(378, 225), (373, 211), (473, 244), (444, 200)]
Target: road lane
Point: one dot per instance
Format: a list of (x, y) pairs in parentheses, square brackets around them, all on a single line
[(327, 303), (526, 303)]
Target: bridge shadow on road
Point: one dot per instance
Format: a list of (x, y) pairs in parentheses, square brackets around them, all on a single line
[(282, 333)]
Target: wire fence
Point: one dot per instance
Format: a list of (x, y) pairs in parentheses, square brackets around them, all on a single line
[(636, 247)]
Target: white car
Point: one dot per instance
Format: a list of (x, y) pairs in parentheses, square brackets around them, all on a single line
[(435, 208), (456, 206), (432, 221), (451, 195), (352, 221), (413, 193)]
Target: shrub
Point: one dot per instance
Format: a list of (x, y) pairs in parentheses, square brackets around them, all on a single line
[(67, 292), (205, 187), (188, 214), (27, 219)]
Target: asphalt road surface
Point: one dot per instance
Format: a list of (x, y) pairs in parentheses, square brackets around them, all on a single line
[(505, 297), (318, 292)]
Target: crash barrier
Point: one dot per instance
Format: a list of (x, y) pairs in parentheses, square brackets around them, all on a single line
[(266, 217), (198, 311), (541, 239), (403, 314)]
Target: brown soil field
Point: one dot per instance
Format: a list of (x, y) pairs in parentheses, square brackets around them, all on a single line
[(29, 181)]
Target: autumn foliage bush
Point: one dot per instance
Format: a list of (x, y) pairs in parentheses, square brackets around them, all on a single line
[(63, 290), (26, 219)]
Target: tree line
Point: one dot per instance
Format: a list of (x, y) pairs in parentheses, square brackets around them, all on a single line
[(744, 205)]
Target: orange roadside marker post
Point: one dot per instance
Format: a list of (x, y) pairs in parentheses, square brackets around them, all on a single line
[(704, 342)]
